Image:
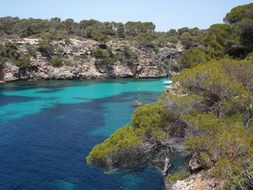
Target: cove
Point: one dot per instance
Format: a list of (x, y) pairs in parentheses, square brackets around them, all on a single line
[(48, 128)]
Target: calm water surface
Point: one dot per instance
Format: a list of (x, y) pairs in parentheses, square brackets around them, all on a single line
[(48, 128)]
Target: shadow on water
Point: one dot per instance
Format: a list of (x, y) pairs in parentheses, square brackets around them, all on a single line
[(4, 100)]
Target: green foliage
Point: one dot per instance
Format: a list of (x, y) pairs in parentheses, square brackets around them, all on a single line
[(223, 39), (8, 51), (191, 37), (214, 100), (104, 54), (120, 30), (23, 62), (149, 116), (147, 120), (239, 13), (145, 40), (214, 80), (125, 137), (32, 52), (45, 48), (193, 57), (57, 29), (180, 175), (57, 61), (241, 17), (95, 34), (135, 28), (241, 181), (250, 56)]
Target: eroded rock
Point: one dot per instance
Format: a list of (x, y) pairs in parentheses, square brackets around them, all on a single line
[(199, 181)]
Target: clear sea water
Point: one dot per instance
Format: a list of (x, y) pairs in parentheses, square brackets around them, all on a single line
[(48, 128)]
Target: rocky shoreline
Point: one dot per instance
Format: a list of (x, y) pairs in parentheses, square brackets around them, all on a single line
[(197, 181), (80, 63)]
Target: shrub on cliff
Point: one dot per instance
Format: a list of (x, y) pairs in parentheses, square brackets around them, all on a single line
[(23, 62), (224, 145), (125, 137), (250, 57), (193, 57), (57, 61), (221, 134), (45, 48), (180, 175), (104, 54), (149, 116), (241, 17), (147, 121), (9, 51)]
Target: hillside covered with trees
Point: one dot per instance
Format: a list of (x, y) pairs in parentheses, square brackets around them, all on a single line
[(231, 39), (207, 117)]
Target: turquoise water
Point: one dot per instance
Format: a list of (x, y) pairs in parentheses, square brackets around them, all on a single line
[(48, 128)]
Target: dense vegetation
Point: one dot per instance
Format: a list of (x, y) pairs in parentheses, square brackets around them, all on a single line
[(220, 114), (233, 38), (210, 107), (148, 122)]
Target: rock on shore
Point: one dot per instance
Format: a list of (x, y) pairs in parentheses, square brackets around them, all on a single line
[(198, 181)]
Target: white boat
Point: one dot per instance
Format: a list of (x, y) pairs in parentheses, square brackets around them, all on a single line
[(167, 82)]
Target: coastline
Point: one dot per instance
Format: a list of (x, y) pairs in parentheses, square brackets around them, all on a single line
[(91, 79)]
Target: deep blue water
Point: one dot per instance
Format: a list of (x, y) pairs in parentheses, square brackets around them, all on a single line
[(48, 128)]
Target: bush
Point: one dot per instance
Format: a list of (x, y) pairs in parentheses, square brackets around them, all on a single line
[(149, 116), (45, 48), (123, 138), (249, 57), (9, 51), (192, 57), (104, 54), (57, 61), (146, 119), (32, 52), (180, 175), (145, 40), (23, 62)]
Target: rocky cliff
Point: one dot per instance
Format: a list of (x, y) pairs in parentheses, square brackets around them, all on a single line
[(197, 181), (88, 59)]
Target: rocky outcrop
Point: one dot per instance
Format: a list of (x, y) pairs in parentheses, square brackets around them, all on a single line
[(198, 181), (195, 163), (80, 63), (156, 153), (9, 72)]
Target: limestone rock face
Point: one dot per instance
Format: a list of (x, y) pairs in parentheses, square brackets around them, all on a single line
[(9, 72), (123, 71), (199, 181), (80, 63)]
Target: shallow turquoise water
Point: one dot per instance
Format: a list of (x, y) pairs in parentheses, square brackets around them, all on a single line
[(48, 128)]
